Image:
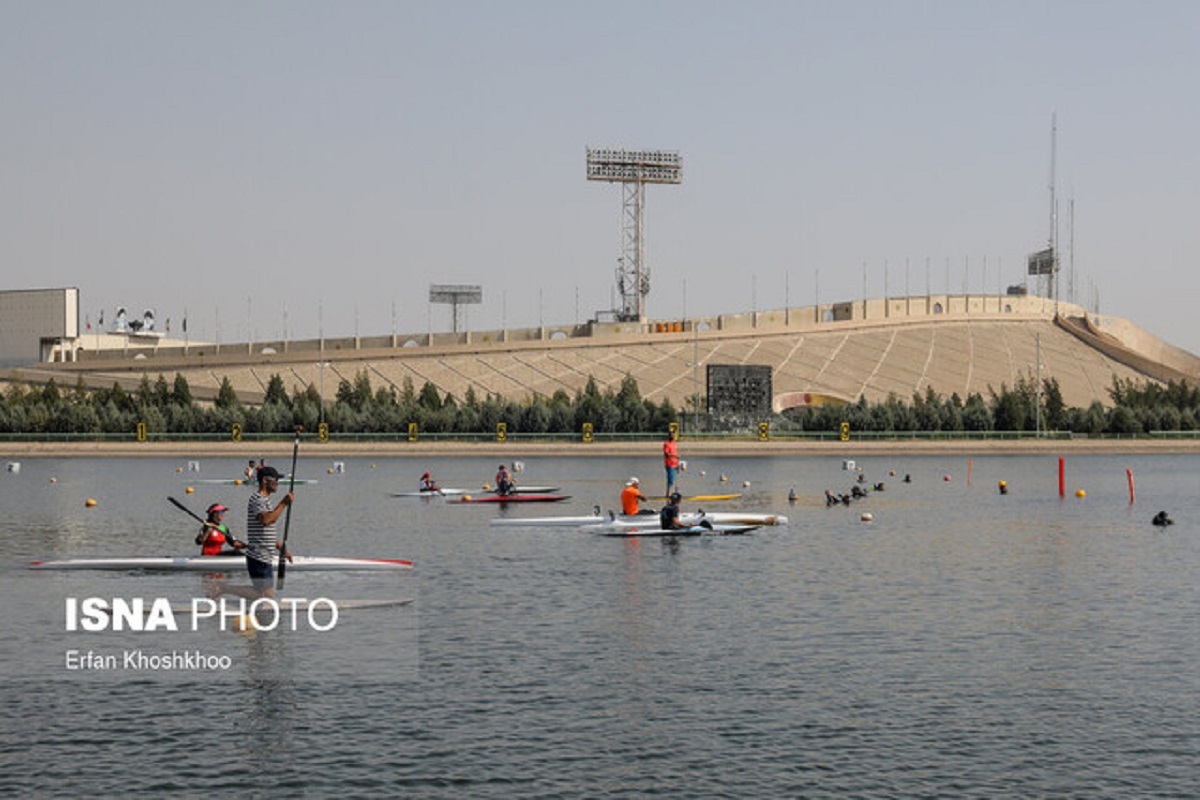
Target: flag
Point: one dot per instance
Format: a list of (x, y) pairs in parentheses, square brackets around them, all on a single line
[(185, 324), (168, 324), (101, 323), (89, 322)]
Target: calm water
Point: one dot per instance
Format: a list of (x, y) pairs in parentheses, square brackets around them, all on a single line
[(963, 644)]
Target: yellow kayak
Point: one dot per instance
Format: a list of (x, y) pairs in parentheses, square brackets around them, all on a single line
[(704, 498)]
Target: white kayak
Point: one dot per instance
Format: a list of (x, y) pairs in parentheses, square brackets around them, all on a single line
[(220, 563), (433, 493), (250, 482), (204, 605), (633, 530), (687, 517)]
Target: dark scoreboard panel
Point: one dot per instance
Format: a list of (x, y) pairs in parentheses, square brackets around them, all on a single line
[(739, 389)]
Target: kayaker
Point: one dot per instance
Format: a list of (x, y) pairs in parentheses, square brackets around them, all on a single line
[(504, 484), (631, 495), (670, 462), (427, 484), (262, 543), (250, 472), (214, 535), (668, 518)]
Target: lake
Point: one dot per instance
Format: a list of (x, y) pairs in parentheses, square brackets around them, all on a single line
[(962, 643)]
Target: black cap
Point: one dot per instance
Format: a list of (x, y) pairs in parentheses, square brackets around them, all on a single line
[(676, 497), (268, 472)]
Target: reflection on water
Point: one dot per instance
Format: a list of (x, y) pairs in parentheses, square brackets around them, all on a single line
[(963, 643)]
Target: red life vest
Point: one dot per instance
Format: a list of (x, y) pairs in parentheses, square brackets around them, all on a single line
[(214, 542)]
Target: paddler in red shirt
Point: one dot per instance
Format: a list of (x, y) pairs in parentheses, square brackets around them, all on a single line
[(215, 535)]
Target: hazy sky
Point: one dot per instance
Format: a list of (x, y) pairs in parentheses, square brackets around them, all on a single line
[(323, 163)]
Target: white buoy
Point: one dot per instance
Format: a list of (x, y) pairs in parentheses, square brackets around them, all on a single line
[(866, 516)]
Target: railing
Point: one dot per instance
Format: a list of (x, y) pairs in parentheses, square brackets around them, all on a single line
[(599, 437)]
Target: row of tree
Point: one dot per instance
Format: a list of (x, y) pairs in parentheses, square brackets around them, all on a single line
[(168, 407)]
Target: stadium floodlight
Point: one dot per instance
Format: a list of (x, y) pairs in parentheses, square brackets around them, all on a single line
[(455, 295), (633, 169)]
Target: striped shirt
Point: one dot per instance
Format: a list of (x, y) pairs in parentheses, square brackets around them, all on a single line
[(260, 539)]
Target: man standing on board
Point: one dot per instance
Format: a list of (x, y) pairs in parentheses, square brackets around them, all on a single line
[(670, 462), (261, 541)]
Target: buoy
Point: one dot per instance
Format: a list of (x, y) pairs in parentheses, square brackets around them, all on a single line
[(179, 469), (723, 478), (486, 488), (189, 489), (891, 473), (703, 473), (466, 497), (1080, 493), (372, 466), (745, 484), (866, 516), (329, 471), (245, 624), (237, 481), (53, 479), (90, 502), (946, 478), (1003, 487)]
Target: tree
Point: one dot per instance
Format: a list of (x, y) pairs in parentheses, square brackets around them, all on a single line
[(226, 397), (276, 392), (181, 393), (429, 398)]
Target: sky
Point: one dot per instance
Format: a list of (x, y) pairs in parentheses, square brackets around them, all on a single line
[(274, 169)]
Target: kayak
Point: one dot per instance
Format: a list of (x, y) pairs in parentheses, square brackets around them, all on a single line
[(608, 529), (518, 490), (248, 482), (706, 498), (618, 529), (220, 563), (513, 498), (687, 517), (301, 604), (433, 493)]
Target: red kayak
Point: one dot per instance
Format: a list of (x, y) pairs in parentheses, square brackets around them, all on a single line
[(514, 498)]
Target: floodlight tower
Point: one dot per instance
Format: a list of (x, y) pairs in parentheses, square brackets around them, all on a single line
[(456, 296), (633, 169)]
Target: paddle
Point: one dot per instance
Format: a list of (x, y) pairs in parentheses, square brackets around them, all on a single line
[(188, 511), (287, 518)]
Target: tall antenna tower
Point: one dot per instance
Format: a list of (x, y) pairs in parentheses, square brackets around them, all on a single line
[(633, 169), (1044, 263), (1052, 278)]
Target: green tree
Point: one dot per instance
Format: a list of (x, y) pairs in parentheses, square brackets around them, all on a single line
[(227, 398), (276, 393)]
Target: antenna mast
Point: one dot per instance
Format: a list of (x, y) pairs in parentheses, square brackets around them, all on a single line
[(1053, 243)]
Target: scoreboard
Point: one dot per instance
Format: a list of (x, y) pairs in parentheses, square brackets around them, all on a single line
[(739, 389)]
